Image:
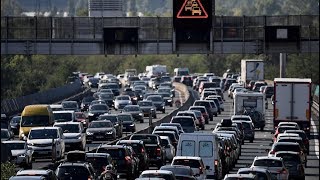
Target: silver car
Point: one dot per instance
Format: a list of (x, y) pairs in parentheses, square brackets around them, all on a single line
[(121, 101), (274, 164)]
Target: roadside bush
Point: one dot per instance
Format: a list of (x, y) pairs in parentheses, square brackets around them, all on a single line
[(7, 170)]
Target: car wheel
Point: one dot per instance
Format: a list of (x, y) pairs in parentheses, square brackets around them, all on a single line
[(216, 115), (164, 111), (251, 140), (261, 129)]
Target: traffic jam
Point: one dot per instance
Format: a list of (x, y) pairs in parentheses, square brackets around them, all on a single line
[(101, 136)]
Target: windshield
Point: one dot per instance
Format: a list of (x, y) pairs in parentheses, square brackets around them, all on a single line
[(73, 172), (144, 103), (63, 116), (98, 107), (87, 99), (124, 117), (100, 124), (112, 86), (187, 162), (184, 121), (33, 121), (106, 96), (123, 98), (155, 98), (15, 146), (43, 134), (131, 108), (69, 128), (113, 119), (98, 162), (294, 147), (146, 139), (114, 153), (157, 175), (203, 110), (73, 105)]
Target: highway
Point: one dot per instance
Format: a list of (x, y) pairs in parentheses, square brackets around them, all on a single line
[(249, 150)]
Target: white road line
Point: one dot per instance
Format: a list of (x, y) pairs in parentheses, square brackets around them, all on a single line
[(316, 141)]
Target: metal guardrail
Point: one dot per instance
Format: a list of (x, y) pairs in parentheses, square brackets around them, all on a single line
[(315, 108)]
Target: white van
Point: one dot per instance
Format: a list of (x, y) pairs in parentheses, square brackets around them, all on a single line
[(204, 145)]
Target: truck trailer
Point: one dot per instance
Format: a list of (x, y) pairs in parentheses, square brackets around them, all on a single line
[(251, 70), (292, 102)]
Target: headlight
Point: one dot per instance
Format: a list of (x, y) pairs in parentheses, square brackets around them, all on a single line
[(140, 114), (109, 132), (89, 133), (78, 137), (152, 109), (131, 124), (135, 98), (90, 114), (130, 102), (169, 100)]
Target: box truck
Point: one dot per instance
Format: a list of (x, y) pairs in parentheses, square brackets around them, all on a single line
[(156, 70), (292, 102), (251, 70), (252, 104)]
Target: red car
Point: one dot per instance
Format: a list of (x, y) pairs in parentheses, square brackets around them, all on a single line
[(81, 117)]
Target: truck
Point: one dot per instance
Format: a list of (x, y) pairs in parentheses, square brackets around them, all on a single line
[(251, 70), (252, 104), (292, 102), (156, 70), (181, 71)]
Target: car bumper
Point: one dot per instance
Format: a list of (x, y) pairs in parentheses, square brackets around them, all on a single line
[(100, 137), (128, 128)]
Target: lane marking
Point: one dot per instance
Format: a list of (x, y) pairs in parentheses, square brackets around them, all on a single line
[(316, 141)]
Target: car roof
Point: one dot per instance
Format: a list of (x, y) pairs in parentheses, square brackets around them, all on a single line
[(63, 111), (33, 171), (69, 122), (14, 141), (287, 152), (27, 177), (241, 175), (187, 157), (96, 121), (111, 146), (97, 154), (267, 157), (166, 127), (157, 171), (259, 169), (130, 141), (285, 143), (40, 128), (167, 132), (179, 117)]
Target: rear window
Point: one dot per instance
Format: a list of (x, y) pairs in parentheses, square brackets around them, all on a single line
[(114, 153), (205, 149), (203, 110), (295, 148), (145, 139), (187, 162), (184, 121), (268, 163), (73, 172), (202, 103), (289, 157)]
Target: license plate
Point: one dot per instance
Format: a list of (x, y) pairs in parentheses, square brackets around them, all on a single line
[(99, 137)]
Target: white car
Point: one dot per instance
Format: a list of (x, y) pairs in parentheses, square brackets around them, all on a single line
[(21, 155), (121, 101), (46, 142), (74, 132), (274, 164), (170, 150), (195, 163)]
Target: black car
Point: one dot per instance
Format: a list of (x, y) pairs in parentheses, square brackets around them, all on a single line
[(93, 82), (86, 103), (158, 102), (127, 122), (101, 130), (133, 96), (139, 148), (70, 105), (96, 110), (103, 165), (167, 97), (155, 150), (107, 97), (148, 108), (135, 111), (116, 122), (75, 170), (114, 87), (15, 124), (121, 156)]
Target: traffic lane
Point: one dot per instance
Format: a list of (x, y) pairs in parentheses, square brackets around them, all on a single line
[(38, 164)]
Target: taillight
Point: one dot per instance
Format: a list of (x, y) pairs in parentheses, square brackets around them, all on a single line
[(128, 159), (306, 141), (158, 152), (282, 171), (142, 150), (216, 162), (201, 170), (272, 152), (90, 178)]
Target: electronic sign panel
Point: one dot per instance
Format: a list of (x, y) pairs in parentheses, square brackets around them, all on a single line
[(192, 14)]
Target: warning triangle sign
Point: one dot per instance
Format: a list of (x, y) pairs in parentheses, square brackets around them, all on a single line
[(192, 9)]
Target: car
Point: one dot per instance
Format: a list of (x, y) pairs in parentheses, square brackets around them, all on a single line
[(293, 139), (135, 111), (86, 102), (235, 143), (158, 102), (195, 163), (74, 133), (193, 115), (103, 165), (127, 120), (75, 170), (187, 80), (64, 116), (303, 135), (275, 166), (203, 112), (288, 146), (167, 128), (15, 124), (261, 173), (268, 91), (121, 101), (167, 175), (6, 135), (96, 110), (47, 174), (97, 101), (107, 97), (293, 163), (121, 156), (70, 105), (178, 125), (240, 176), (81, 117), (211, 110), (169, 147), (281, 129), (20, 154), (148, 108), (139, 148), (187, 123), (293, 124), (178, 170), (44, 140), (241, 118), (172, 136), (133, 96), (93, 82), (101, 130), (257, 85), (155, 150), (167, 98), (117, 124), (248, 130)]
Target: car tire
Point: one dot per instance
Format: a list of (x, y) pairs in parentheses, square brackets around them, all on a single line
[(202, 128), (261, 129), (141, 121), (164, 111), (251, 140), (216, 115)]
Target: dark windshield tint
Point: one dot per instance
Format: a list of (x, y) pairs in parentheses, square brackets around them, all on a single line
[(99, 107), (43, 134), (124, 118), (73, 172), (16, 119), (113, 119), (4, 134), (69, 128), (123, 98), (69, 105), (87, 99), (63, 116), (114, 153), (15, 146), (268, 163), (144, 103), (180, 171), (33, 121), (187, 162), (280, 147), (184, 121), (100, 124), (155, 98), (131, 108)]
